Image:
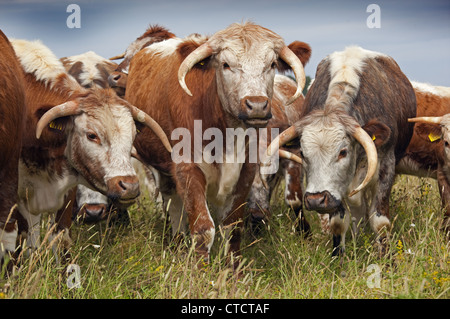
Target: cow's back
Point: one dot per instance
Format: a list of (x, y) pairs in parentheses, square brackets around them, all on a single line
[(12, 115)]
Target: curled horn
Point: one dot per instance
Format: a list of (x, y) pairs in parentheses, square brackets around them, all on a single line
[(284, 137), (65, 109), (294, 62), (372, 157), (199, 54), (143, 117), (290, 156), (427, 119), (117, 57)]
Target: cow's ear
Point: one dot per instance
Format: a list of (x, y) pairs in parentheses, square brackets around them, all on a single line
[(428, 132), (187, 47), (379, 132), (57, 126), (301, 49)]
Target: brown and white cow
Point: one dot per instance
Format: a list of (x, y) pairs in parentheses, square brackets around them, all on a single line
[(264, 184), (224, 82), (155, 33), (352, 134), (428, 153), (74, 136), (12, 121)]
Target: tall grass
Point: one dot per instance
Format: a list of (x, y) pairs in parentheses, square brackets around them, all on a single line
[(140, 261)]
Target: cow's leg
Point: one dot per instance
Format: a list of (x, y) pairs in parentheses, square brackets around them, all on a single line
[(8, 238), (233, 214), (293, 195), (32, 227), (178, 219), (339, 223), (259, 201), (379, 211), (191, 186), (444, 191), (60, 238)]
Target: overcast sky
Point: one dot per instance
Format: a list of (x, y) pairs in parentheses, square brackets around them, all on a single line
[(415, 33)]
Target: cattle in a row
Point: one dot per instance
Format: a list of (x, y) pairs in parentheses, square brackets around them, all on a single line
[(71, 135), (226, 82), (353, 132)]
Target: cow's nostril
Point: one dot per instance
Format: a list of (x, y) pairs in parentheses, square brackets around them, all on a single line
[(117, 77)]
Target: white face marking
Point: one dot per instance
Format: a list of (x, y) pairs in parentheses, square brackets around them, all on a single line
[(110, 151), (88, 196), (325, 169)]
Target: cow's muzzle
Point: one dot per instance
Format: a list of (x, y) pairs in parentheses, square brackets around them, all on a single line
[(123, 190), (322, 202), (255, 111)]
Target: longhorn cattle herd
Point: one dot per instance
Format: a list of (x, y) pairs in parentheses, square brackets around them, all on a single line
[(213, 125)]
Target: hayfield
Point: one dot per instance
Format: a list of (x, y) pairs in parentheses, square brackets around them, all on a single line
[(139, 261)]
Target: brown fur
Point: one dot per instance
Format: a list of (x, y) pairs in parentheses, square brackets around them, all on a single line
[(12, 120)]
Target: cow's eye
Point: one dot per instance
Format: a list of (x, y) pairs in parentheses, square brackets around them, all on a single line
[(226, 66), (93, 137), (342, 153), (446, 144), (273, 65)]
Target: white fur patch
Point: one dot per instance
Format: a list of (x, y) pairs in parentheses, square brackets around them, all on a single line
[(345, 67), (432, 89), (164, 48), (39, 60), (90, 71), (7, 241)]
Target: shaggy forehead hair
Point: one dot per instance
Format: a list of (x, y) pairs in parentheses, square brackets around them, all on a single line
[(241, 37), (327, 118)]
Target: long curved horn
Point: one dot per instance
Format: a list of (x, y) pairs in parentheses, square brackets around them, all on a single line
[(290, 156), (199, 54), (294, 62), (65, 109), (427, 119), (372, 157), (284, 137), (143, 117), (117, 57)]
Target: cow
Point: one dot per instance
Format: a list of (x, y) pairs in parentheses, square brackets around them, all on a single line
[(12, 125), (427, 154), (353, 132), (153, 34), (92, 70), (263, 186), (71, 135), (222, 82)]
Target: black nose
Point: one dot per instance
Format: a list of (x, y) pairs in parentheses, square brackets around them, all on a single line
[(321, 202)]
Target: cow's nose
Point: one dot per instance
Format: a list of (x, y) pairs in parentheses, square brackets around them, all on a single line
[(321, 202), (255, 110), (123, 188)]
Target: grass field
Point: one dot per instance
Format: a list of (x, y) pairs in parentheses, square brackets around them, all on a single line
[(139, 262)]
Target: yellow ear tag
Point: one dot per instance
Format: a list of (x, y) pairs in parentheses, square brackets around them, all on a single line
[(433, 137), (373, 138), (53, 125), (202, 63)]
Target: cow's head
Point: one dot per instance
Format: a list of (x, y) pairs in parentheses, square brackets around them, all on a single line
[(245, 58), (435, 130), (330, 144), (99, 130)]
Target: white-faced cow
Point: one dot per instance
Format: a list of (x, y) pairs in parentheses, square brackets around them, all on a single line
[(74, 136), (155, 33), (12, 121), (428, 153), (263, 186), (224, 82), (352, 134)]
